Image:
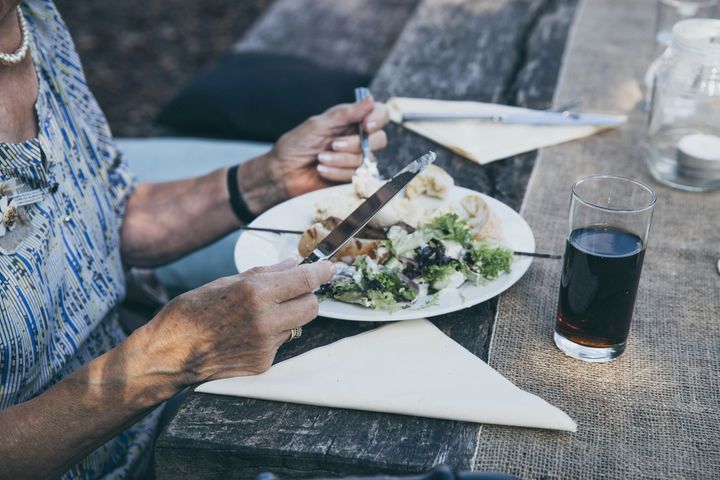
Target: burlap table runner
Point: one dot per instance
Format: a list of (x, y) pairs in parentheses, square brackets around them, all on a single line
[(655, 412)]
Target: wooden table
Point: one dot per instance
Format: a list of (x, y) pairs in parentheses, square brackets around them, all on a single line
[(504, 51)]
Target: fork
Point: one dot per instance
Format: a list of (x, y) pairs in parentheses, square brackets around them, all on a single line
[(369, 160)]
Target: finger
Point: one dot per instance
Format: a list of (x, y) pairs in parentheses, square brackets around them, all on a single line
[(298, 281), (378, 118), (351, 143), (297, 312), (278, 267), (340, 160), (337, 175), (348, 113)]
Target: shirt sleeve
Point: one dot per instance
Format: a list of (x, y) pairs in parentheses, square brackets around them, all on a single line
[(121, 183)]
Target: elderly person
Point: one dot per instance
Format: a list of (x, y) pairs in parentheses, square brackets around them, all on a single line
[(79, 398)]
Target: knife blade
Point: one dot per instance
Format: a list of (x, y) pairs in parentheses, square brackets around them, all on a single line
[(349, 227), (533, 118)]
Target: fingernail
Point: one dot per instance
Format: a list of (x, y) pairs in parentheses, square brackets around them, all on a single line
[(339, 144), (371, 125), (325, 157), (323, 169)]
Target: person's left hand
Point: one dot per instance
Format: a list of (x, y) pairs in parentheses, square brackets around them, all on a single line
[(322, 151)]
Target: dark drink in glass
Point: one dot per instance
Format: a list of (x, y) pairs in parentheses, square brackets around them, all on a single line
[(609, 223), (600, 276)]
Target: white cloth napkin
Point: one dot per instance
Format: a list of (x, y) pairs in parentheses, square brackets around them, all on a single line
[(481, 141), (408, 368)]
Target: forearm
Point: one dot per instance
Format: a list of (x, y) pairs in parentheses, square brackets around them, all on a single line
[(43, 437), (165, 221)]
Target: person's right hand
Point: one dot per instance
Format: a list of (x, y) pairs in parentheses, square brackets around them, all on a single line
[(235, 325)]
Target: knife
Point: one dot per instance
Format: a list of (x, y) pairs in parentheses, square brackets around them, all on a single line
[(349, 227), (534, 118), (280, 231)]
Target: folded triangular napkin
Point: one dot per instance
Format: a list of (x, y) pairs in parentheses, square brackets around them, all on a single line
[(481, 141), (408, 368)]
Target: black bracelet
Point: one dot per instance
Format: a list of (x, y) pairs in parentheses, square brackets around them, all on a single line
[(237, 203)]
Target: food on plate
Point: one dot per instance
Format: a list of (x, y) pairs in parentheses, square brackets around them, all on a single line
[(410, 248), (484, 225), (441, 254), (339, 206), (364, 185), (348, 253), (433, 182)]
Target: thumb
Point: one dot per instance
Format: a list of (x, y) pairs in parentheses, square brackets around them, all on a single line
[(349, 113)]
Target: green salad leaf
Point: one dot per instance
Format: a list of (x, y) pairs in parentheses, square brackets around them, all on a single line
[(402, 243), (442, 276), (450, 227), (378, 287), (383, 301), (441, 253), (488, 261)]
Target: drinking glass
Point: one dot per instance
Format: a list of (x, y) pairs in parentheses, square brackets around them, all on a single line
[(609, 224)]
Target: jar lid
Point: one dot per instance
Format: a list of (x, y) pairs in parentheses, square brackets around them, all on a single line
[(698, 156), (698, 35)]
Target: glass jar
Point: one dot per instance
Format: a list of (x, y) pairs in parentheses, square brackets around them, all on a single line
[(670, 12), (683, 133)]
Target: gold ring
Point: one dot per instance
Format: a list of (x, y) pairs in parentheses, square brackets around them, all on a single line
[(295, 333)]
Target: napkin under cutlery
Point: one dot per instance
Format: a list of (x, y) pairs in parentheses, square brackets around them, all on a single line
[(409, 368), (483, 141)]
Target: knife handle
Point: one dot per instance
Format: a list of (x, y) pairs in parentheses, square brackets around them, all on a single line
[(315, 256), (361, 93)]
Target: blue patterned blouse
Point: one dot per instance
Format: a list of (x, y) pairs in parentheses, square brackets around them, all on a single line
[(60, 285)]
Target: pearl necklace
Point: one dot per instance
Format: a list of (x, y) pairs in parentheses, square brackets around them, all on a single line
[(11, 59)]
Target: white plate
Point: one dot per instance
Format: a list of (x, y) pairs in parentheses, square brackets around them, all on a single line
[(259, 248)]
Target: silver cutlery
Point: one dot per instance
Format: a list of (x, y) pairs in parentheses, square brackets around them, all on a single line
[(355, 222), (552, 256), (537, 117), (369, 161)]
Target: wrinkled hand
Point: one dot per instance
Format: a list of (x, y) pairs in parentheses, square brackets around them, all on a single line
[(235, 325), (322, 151)]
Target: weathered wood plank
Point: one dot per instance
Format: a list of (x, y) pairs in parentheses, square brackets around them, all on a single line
[(490, 51), (302, 441), (353, 35), (480, 50)]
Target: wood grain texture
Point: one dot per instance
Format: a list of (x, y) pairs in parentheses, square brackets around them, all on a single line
[(353, 35), (506, 51)]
